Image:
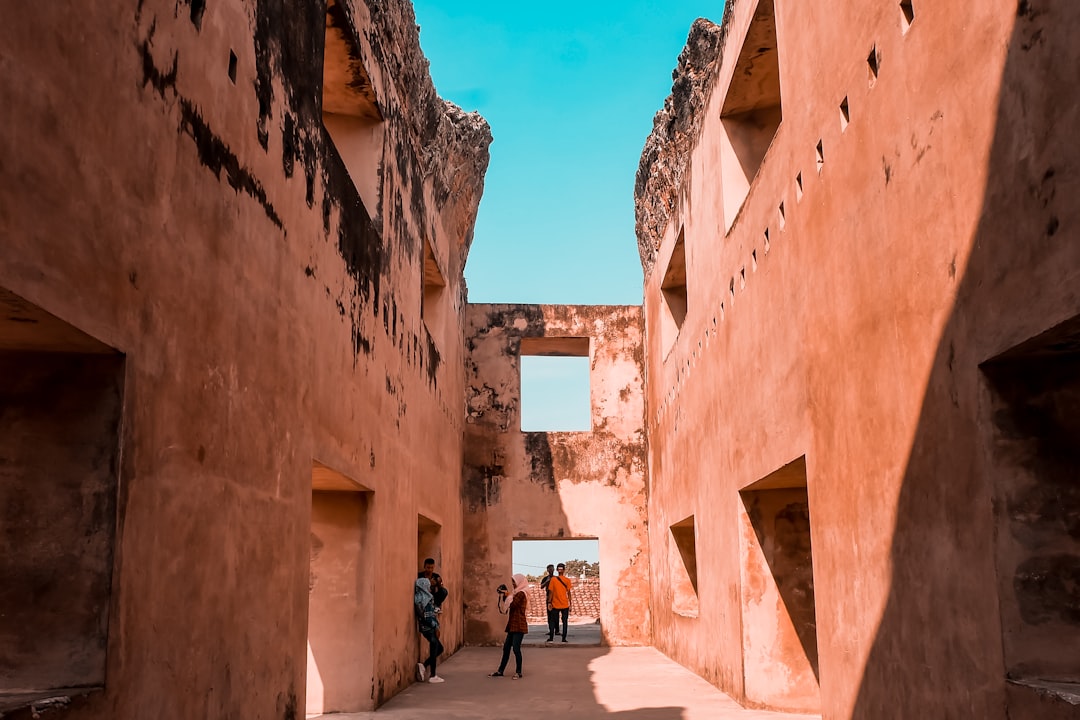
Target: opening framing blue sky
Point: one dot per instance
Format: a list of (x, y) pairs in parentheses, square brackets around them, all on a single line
[(570, 90)]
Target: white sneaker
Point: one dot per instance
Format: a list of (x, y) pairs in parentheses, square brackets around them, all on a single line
[(421, 672), (436, 679)]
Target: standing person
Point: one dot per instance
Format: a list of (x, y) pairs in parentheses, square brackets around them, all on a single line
[(515, 603), (552, 616), (559, 588), (428, 625)]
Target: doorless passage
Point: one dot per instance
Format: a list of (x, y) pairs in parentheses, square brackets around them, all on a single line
[(340, 596)]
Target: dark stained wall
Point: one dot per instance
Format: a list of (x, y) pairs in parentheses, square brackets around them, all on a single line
[(168, 188)]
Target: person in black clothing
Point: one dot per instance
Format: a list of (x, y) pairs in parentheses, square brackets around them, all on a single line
[(552, 615), (438, 591)]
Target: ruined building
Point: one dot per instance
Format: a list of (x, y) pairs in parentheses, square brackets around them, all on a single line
[(833, 460)]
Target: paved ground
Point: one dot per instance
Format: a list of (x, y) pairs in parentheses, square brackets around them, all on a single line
[(584, 633), (569, 683)]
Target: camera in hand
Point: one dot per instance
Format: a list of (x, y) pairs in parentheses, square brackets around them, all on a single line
[(501, 589)]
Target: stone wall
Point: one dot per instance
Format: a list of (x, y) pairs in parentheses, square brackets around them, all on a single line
[(830, 301), (287, 304), (549, 485)]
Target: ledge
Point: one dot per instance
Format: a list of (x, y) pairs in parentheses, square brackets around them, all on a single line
[(1067, 691), (51, 699)]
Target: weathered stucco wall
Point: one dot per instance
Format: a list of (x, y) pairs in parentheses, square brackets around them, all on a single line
[(169, 189), (913, 218), (544, 485)]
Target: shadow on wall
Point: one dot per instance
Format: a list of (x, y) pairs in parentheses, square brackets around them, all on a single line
[(995, 455)]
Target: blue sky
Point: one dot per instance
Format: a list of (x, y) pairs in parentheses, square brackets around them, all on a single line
[(570, 90)]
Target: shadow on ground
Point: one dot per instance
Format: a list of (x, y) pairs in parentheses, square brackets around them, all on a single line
[(571, 683)]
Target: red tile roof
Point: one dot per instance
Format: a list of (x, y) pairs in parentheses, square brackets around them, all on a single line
[(584, 600)]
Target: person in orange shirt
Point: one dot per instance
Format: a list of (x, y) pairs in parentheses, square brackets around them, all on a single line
[(559, 587)]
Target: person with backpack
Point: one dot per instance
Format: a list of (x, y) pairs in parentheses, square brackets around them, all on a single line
[(559, 591), (427, 623)]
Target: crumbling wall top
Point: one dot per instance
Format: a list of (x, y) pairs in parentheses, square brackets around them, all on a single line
[(452, 144), (676, 128)]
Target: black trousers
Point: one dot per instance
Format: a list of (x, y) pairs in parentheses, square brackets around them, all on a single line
[(553, 622), (435, 648), (513, 641)]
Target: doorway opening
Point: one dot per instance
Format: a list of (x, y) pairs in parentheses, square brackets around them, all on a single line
[(428, 542), (780, 646), (341, 667), (1034, 446), (581, 559), (61, 394)]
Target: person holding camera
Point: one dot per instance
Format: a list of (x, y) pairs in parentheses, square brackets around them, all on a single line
[(515, 603)]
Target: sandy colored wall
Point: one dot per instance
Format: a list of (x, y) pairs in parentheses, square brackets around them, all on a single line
[(169, 189), (939, 232), (556, 484)]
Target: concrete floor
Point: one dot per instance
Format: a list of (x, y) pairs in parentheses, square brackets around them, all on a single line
[(570, 683), (585, 633)]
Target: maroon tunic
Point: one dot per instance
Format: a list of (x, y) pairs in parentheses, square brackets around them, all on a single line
[(517, 621)]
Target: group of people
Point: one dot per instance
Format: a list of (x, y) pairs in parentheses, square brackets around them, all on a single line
[(429, 594), (557, 591)]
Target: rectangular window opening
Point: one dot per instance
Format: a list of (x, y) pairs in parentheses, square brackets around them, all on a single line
[(684, 581), (555, 384), (752, 111), (673, 289), (351, 113), (432, 301)]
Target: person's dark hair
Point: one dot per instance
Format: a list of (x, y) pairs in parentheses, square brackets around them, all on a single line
[(429, 561)]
